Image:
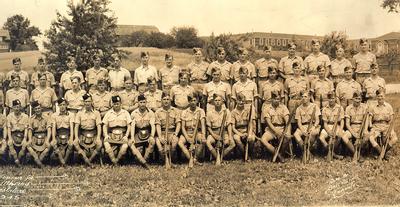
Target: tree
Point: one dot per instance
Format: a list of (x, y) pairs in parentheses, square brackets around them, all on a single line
[(138, 38), (186, 37), (21, 32), (332, 42), (391, 5), (88, 29), (159, 40), (391, 58)]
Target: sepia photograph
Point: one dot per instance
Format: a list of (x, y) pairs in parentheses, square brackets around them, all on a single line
[(199, 103)]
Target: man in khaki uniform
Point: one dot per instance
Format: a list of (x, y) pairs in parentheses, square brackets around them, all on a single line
[(216, 86), (285, 67), (174, 127), (263, 64), (62, 132), (17, 132), (117, 74), (116, 130), (96, 73), (303, 117), (276, 115), (39, 134), (179, 93), (243, 62), (41, 69), (17, 93), (338, 65), (381, 116), (3, 133), (315, 59), (214, 122), (87, 131), (198, 71), (17, 71), (66, 77), (143, 128), (189, 117), (45, 95), (101, 98), (354, 118), (243, 124), (294, 85), (329, 117), (169, 74), (129, 96), (362, 61), (246, 87), (222, 64), (347, 87), (153, 95), (145, 71), (372, 84), (74, 96), (320, 87)]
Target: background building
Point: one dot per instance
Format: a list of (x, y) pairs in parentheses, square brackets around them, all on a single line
[(124, 31), (4, 40)]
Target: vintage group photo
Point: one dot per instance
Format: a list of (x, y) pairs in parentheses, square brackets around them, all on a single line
[(157, 103)]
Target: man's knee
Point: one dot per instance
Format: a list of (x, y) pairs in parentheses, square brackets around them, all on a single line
[(236, 138)]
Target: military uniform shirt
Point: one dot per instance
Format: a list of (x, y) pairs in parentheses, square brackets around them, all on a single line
[(93, 75), (355, 114), (17, 123), (248, 89), (128, 99), (101, 101), (337, 66), (143, 120), (220, 88), (143, 73), (46, 97), (88, 120), (322, 87), (214, 118), (251, 70), (39, 124), (190, 117), (293, 86), (117, 77), (161, 115), (180, 94), (170, 76), (225, 68), (51, 81), (329, 114), (371, 85), (276, 115), (62, 120), (153, 99), (363, 62), (198, 72), (65, 80), (115, 119), (24, 76), (20, 94), (347, 88), (312, 61), (381, 112), (241, 118), (286, 63), (262, 66), (268, 88), (74, 99), (304, 113)]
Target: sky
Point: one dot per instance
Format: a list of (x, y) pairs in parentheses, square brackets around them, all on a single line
[(358, 18)]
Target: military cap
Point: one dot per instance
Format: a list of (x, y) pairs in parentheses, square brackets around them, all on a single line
[(40, 60), (41, 75), (86, 96), (220, 50), (144, 54), (292, 44), (16, 60), (168, 56), (380, 91), (267, 47), (315, 41), (164, 94), (14, 76), (16, 103), (331, 94), (241, 97), (356, 95), (101, 81), (141, 97), (76, 77), (347, 68), (275, 95), (363, 40), (61, 100), (320, 67), (243, 69), (116, 99), (196, 50), (295, 64), (35, 104)]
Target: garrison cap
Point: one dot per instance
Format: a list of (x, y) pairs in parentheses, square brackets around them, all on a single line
[(86, 96), (61, 100), (116, 99), (16, 60), (141, 97), (16, 103), (35, 104)]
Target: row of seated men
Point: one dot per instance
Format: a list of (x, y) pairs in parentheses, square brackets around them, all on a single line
[(221, 130)]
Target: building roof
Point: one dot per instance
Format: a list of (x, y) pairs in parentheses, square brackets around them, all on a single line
[(389, 36), (129, 29), (4, 33), (283, 35)]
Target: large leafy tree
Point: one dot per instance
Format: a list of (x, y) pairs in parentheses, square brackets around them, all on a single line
[(332, 42), (88, 29), (186, 37), (21, 32), (391, 5)]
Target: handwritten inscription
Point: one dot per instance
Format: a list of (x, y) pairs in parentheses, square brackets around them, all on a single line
[(340, 186)]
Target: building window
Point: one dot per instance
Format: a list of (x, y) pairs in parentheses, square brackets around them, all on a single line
[(263, 39), (284, 41), (278, 42), (256, 41), (273, 42)]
